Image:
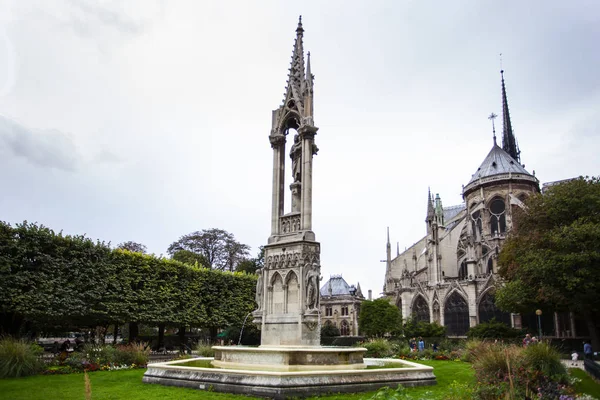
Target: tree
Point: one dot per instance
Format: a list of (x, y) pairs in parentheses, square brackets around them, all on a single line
[(218, 247), (190, 258), (552, 258), (133, 246), (252, 265), (378, 317), (414, 328), (49, 281)]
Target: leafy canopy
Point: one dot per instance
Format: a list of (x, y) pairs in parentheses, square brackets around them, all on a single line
[(218, 248), (553, 256), (378, 317)]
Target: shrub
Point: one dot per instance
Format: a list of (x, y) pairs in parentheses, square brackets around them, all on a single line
[(493, 330), (472, 349), (100, 355), (329, 330), (134, 353), (459, 391), (511, 371), (414, 328), (19, 358), (545, 359), (205, 350), (378, 348)]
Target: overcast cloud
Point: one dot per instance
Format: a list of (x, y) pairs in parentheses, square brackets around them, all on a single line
[(146, 120)]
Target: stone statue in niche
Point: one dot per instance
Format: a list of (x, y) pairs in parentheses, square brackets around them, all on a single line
[(296, 156), (259, 288), (312, 287)]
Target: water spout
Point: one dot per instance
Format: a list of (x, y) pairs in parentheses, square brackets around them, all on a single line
[(242, 330)]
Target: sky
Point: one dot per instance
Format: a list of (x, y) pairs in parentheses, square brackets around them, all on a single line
[(146, 120)]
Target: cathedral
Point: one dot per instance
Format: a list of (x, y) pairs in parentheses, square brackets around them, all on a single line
[(449, 275)]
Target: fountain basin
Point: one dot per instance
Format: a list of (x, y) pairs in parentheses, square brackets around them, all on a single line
[(289, 358), (285, 384)]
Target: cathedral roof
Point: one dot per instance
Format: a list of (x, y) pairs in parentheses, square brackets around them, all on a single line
[(338, 286), (453, 211), (498, 162)]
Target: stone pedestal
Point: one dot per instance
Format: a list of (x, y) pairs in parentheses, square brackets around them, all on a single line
[(288, 314)]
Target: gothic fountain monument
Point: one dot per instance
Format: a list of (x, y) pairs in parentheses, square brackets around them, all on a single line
[(290, 361)]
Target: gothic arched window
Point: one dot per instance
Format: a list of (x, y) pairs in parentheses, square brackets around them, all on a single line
[(456, 315), (490, 266), (421, 309), (344, 328), (488, 310), (497, 216)]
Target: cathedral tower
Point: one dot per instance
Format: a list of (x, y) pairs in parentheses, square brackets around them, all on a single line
[(499, 184)]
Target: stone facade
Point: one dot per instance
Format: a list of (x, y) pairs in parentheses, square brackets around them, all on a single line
[(449, 275), (340, 305)]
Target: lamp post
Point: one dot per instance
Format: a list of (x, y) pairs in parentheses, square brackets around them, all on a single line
[(539, 315)]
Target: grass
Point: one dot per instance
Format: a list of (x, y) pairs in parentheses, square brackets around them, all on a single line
[(127, 384), (587, 384)]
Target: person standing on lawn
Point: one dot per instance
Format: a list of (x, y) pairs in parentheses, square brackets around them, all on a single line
[(587, 351)]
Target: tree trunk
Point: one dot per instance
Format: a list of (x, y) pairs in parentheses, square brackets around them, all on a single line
[(161, 337), (182, 339), (116, 333), (591, 324), (134, 330), (213, 334)]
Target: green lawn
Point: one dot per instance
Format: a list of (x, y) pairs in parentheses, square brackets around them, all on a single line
[(112, 385), (116, 385), (587, 384)]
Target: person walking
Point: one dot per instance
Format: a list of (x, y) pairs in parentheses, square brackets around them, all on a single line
[(421, 344), (574, 357), (587, 351)]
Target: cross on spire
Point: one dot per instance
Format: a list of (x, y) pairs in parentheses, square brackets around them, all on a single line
[(492, 117)]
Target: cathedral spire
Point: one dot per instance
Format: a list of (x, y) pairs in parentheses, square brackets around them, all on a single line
[(296, 80), (388, 238), (309, 75), (388, 252), (509, 142), (430, 210)]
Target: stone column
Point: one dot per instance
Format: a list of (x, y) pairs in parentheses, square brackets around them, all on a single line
[(278, 144), (285, 298), (307, 135)]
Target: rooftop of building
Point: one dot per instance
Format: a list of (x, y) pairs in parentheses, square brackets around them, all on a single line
[(498, 162), (337, 286)]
